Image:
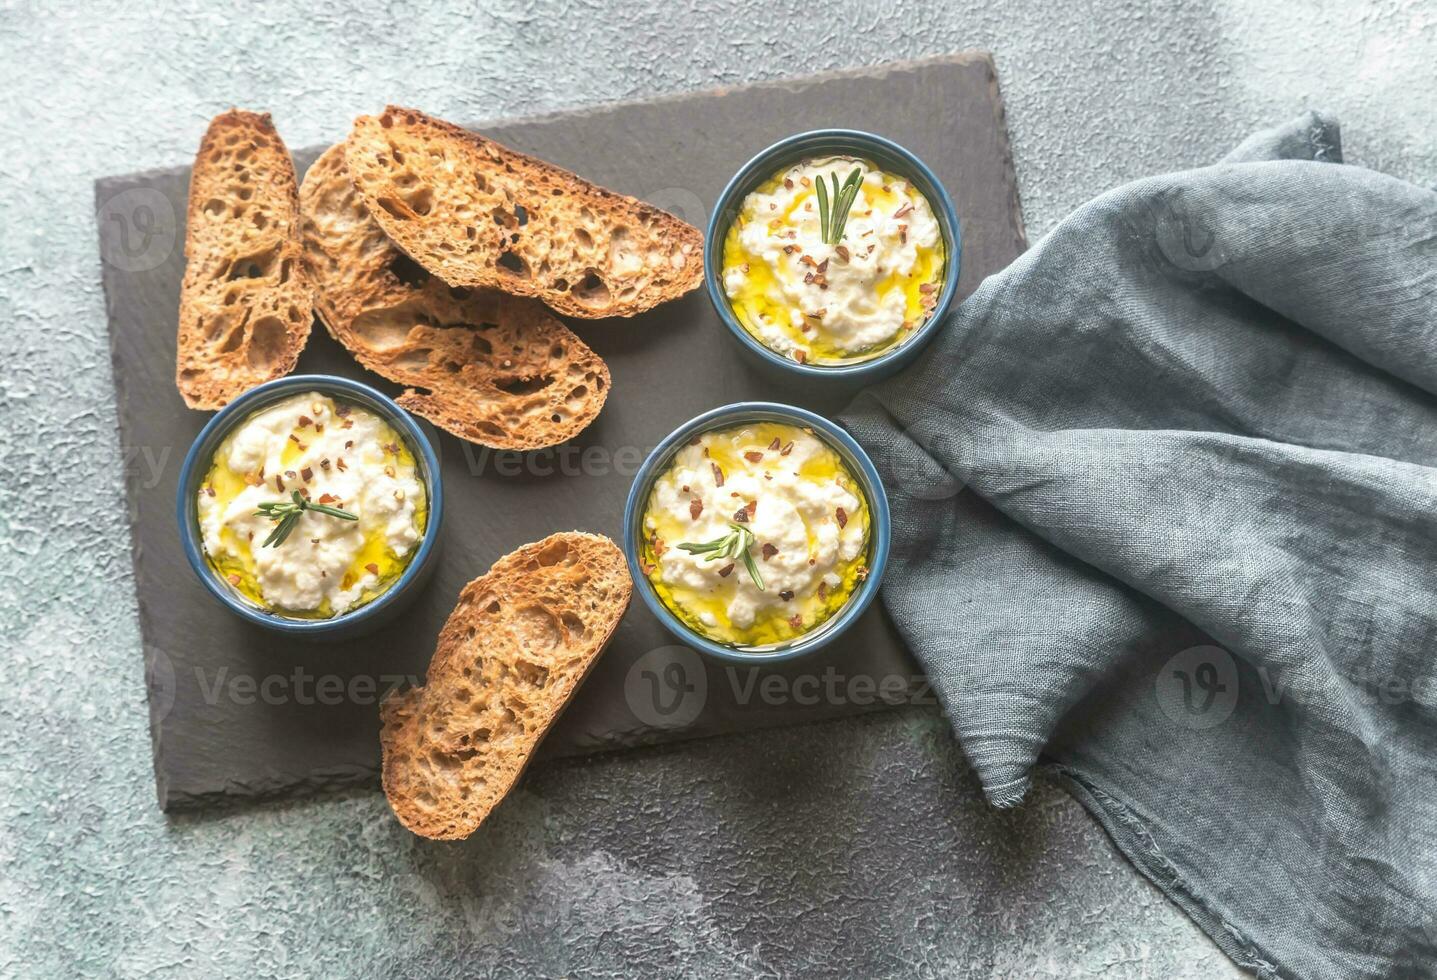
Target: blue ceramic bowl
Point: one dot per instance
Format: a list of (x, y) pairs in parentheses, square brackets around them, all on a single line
[(197, 462), (824, 142), (859, 464)]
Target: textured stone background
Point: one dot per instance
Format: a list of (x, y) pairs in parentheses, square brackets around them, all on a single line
[(861, 846)]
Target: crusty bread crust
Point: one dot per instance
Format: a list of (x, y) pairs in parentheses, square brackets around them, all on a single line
[(495, 369), (245, 314), (512, 653), (476, 213)]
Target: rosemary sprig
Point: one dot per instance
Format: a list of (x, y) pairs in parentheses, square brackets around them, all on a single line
[(285, 514), (834, 205), (735, 544)]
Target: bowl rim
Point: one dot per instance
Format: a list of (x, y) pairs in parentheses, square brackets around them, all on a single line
[(854, 139), (233, 414), (732, 414)]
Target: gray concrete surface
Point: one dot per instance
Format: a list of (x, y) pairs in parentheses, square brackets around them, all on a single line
[(858, 847)]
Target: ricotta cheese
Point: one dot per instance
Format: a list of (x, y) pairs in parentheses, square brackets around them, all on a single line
[(833, 303), (334, 453), (807, 524)]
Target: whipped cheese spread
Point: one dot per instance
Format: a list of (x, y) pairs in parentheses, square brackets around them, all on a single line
[(789, 499), (334, 453), (826, 303)]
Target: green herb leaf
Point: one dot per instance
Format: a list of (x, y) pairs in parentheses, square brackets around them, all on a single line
[(822, 210), (286, 513), (735, 545), (834, 205)]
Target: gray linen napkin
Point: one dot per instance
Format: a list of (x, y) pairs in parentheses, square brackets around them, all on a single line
[(1165, 523)]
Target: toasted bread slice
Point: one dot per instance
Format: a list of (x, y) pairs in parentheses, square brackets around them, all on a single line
[(495, 369), (509, 658), (245, 314), (475, 213)]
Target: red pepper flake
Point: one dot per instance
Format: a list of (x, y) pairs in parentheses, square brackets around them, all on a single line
[(685, 488), (903, 210), (752, 506), (807, 260), (389, 472), (372, 568), (769, 551), (646, 566), (796, 621), (842, 252), (823, 590), (926, 287), (306, 474), (291, 474), (696, 507), (305, 421), (813, 561), (348, 424), (862, 572), (823, 267), (787, 449), (319, 427), (753, 456), (775, 444), (800, 355), (279, 483), (726, 570), (349, 444), (209, 490), (842, 516), (767, 475), (805, 182), (788, 183), (903, 233), (741, 515), (327, 498), (392, 448), (790, 249), (786, 595), (234, 579), (341, 410), (340, 464), (324, 463), (659, 545), (718, 475), (295, 439)]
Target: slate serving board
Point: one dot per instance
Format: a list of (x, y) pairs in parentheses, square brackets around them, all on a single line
[(238, 714)]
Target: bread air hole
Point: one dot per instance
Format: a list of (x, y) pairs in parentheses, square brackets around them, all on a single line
[(214, 207), (267, 342), (592, 290), (513, 264), (407, 271), (384, 329), (554, 554), (524, 385), (258, 265)]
